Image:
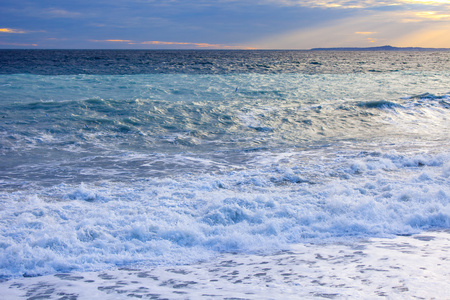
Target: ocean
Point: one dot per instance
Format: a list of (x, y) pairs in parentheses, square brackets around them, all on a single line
[(136, 160)]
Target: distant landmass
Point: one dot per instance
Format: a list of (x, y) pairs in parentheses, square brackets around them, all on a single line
[(381, 48)]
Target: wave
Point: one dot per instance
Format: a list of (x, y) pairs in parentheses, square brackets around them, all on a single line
[(202, 125), (379, 104), (180, 219), (143, 137)]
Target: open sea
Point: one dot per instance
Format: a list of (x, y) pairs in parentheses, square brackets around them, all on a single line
[(124, 159)]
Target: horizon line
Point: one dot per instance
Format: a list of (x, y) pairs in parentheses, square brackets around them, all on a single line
[(382, 48)]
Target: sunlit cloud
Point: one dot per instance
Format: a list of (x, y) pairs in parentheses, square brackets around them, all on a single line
[(196, 45), (422, 16), (347, 4), (199, 45), (119, 41), (427, 2), (335, 3), (379, 28), (343, 4), (113, 41), (433, 15), (368, 39), (18, 44), (365, 32), (12, 30)]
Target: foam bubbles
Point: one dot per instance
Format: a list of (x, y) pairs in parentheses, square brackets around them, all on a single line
[(185, 219)]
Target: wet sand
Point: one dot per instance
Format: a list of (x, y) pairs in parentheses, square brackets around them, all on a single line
[(407, 267)]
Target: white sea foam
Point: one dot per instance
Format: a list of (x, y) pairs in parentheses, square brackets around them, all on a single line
[(193, 217)]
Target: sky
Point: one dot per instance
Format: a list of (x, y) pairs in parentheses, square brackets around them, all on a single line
[(223, 24)]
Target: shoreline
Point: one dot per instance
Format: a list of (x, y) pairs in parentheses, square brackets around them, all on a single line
[(402, 268)]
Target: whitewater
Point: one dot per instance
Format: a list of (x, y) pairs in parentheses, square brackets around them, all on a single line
[(166, 172)]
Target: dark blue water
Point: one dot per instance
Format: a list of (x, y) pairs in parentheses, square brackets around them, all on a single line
[(128, 62)]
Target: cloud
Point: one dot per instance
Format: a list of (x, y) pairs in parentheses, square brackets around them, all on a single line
[(61, 13), (433, 15), (305, 3), (343, 4), (221, 24), (427, 2), (422, 16), (118, 41), (56, 39), (334, 3), (198, 45), (112, 41), (12, 30), (18, 44), (188, 44), (383, 28)]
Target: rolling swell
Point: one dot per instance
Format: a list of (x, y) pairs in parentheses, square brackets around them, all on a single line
[(85, 140), (150, 124)]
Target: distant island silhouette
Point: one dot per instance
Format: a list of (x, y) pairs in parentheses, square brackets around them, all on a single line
[(380, 48)]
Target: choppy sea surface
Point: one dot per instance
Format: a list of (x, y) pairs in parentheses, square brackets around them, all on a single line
[(122, 158)]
